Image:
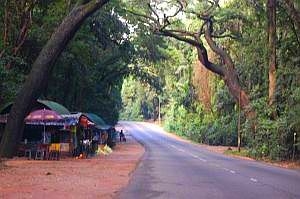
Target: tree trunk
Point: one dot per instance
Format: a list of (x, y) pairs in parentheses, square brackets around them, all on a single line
[(271, 13), (40, 71), (232, 82), (230, 77), (227, 71)]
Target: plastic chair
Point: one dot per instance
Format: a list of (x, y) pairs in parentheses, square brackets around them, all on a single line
[(28, 151), (41, 152), (39, 155), (54, 152)]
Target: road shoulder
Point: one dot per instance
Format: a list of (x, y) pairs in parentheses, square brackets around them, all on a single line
[(99, 177)]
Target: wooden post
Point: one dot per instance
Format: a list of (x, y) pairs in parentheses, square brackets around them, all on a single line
[(294, 146), (239, 123), (159, 120)]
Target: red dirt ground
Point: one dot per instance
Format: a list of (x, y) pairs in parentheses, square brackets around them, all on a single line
[(99, 177)]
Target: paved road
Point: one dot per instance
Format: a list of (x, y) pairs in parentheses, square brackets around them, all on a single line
[(176, 169)]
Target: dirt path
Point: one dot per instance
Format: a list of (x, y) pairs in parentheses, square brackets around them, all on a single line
[(100, 177)]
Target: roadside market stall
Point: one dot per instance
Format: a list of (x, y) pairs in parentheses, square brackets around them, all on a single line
[(43, 129), (51, 131), (81, 128), (107, 133), (44, 118), (37, 105), (90, 132)]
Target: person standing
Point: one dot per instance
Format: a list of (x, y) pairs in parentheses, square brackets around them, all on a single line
[(122, 136)]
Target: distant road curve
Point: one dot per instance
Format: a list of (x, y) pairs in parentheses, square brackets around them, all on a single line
[(175, 169)]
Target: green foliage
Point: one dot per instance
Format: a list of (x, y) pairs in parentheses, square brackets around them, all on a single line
[(136, 102), (183, 113), (202, 128), (114, 45), (88, 75)]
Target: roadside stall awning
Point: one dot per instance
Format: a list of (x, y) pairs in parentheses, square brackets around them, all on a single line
[(44, 117), (100, 124), (78, 118), (40, 117), (71, 119), (103, 127), (40, 104), (95, 118)]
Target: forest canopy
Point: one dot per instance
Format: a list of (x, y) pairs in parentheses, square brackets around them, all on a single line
[(208, 69)]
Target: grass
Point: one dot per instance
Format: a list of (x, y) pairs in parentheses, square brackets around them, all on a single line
[(243, 152)]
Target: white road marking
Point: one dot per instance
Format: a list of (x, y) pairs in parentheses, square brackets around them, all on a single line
[(195, 156), (203, 160), (181, 150), (215, 165), (184, 151), (163, 140), (253, 179)]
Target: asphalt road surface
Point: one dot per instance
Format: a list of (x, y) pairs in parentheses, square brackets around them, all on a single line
[(176, 169)]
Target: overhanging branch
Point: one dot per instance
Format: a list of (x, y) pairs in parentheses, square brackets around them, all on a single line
[(219, 51)]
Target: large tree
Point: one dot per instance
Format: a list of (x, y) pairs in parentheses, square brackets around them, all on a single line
[(165, 23), (41, 70)]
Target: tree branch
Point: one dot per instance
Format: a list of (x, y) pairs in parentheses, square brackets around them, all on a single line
[(225, 57), (201, 51), (225, 36), (205, 15), (192, 38), (293, 12), (169, 33)]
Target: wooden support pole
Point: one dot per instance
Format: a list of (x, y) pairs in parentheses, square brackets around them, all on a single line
[(294, 146), (159, 119), (239, 124)]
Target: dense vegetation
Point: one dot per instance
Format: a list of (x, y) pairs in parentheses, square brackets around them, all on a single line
[(197, 104), (83, 77), (144, 60)]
